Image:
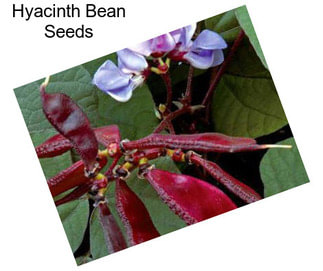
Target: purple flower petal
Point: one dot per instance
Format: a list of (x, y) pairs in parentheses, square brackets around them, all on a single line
[(143, 48), (176, 34), (122, 94), (131, 62), (209, 40), (111, 80), (218, 58), (163, 43), (186, 36), (201, 60)]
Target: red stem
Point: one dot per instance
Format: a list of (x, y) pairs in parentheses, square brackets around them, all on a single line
[(168, 84), (115, 161), (188, 92), (165, 122), (171, 128), (215, 81)]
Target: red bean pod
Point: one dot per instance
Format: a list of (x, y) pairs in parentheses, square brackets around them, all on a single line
[(134, 215), (112, 234), (70, 177), (53, 146), (75, 194), (70, 121), (238, 188), (107, 134), (206, 142), (58, 144), (190, 198)]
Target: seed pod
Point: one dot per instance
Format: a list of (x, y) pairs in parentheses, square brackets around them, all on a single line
[(206, 142), (112, 234), (75, 194), (58, 144), (70, 177), (190, 198), (107, 135), (134, 215), (70, 121), (238, 188), (53, 146)]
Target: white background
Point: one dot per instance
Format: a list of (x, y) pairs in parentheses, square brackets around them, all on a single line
[(283, 232)]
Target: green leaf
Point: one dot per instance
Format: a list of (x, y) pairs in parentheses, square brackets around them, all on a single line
[(246, 63), (231, 34), (225, 24), (74, 216), (98, 247), (222, 22), (247, 107), (135, 118), (245, 22), (83, 259), (282, 169)]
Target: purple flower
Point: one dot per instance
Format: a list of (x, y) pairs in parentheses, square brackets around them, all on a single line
[(156, 46), (183, 37), (131, 62), (119, 82), (206, 50), (162, 44), (113, 81)]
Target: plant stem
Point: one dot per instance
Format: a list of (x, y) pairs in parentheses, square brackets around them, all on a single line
[(171, 128), (115, 161), (188, 92), (215, 81), (169, 90), (165, 122)]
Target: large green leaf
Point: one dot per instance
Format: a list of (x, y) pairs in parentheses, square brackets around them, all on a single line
[(246, 102), (246, 63), (74, 216), (135, 118), (98, 247), (282, 169), (245, 22), (225, 24), (244, 106)]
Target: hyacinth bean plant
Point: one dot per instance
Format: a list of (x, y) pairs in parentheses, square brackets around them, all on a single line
[(164, 170)]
